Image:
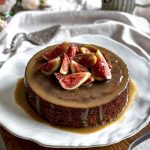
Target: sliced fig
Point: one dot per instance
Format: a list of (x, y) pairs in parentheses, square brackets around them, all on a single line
[(76, 67), (91, 48), (51, 66), (101, 69), (87, 60), (94, 49), (84, 50), (58, 51), (72, 50), (65, 65), (89, 80), (107, 60), (58, 75), (68, 56), (73, 81)]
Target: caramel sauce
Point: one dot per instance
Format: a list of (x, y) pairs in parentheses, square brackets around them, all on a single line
[(84, 96), (22, 102)]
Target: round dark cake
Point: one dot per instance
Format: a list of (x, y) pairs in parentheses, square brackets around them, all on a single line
[(85, 106)]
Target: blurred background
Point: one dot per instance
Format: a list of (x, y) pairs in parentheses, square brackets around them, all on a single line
[(135, 7)]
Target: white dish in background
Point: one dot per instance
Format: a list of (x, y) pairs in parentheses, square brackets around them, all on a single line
[(19, 123)]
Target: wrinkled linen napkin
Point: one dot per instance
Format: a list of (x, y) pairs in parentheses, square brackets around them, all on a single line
[(130, 30), (127, 29)]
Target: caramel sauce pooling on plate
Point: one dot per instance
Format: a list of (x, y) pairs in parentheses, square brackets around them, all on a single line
[(22, 102)]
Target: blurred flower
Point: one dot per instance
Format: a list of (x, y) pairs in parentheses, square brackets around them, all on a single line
[(45, 3), (6, 5), (2, 2), (30, 4), (3, 24)]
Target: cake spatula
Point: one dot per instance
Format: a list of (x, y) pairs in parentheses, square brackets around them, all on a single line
[(37, 38)]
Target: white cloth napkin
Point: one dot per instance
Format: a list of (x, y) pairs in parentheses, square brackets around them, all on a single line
[(127, 29), (142, 8)]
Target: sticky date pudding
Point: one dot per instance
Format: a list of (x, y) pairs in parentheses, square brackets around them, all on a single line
[(77, 85)]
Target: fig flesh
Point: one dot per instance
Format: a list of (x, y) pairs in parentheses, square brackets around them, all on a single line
[(94, 49), (89, 80), (68, 56), (73, 81), (51, 66), (91, 48), (87, 60), (58, 75), (101, 69), (58, 51), (84, 50), (76, 67), (107, 60)]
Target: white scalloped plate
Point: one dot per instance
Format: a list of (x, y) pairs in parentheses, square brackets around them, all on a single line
[(19, 123)]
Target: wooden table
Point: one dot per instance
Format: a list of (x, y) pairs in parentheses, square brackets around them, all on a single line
[(14, 143)]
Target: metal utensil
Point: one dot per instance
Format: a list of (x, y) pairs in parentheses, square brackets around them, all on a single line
[(37, 38), (139, 140)]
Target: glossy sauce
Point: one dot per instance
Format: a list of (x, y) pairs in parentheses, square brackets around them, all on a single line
[(22, 102), (83, 96)]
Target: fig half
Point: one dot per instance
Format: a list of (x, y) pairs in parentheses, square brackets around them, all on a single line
[(84, 50), (58, 75), (89, 80), (68, 56), (57, 51), (87, 60), (101, 69), (76, 67), (91, 48), (51, 66), (73, 81)]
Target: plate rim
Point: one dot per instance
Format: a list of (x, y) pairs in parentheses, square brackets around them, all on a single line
[(54, 146)]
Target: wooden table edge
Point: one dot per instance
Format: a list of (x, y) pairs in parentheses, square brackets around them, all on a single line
[(12, 142)]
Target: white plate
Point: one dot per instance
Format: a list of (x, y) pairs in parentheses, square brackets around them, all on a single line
[(15, 120)]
